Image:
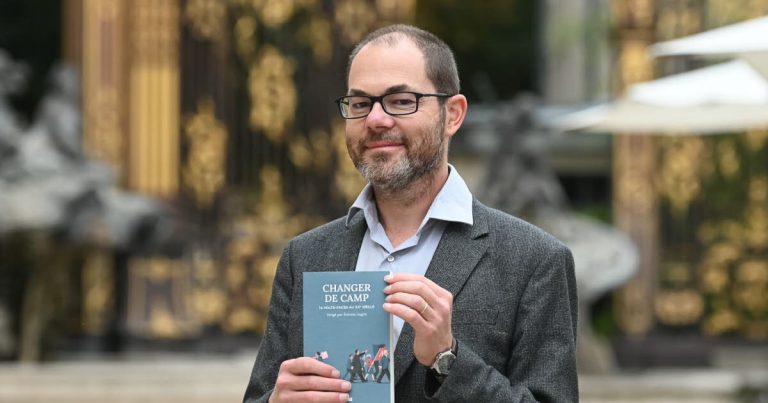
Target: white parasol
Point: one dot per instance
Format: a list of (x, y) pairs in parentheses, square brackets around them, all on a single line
[(722, 98), (746, 40)]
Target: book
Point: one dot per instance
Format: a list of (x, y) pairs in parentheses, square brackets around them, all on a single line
[(345, 325)]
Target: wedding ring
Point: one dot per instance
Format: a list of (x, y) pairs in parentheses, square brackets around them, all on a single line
[(426, 305)]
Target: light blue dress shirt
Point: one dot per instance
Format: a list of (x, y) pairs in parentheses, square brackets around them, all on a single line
[(453, 203)]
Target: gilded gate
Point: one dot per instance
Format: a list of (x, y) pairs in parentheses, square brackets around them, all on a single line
[(223, 109)]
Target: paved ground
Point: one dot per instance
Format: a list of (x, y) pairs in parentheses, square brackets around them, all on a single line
[(172, 379), (166, 378)]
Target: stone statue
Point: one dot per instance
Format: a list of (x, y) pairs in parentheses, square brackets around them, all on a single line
[(50, 190), (520, 181)]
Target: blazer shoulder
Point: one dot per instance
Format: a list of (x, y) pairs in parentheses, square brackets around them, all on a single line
[(505, 227), (329, 230)]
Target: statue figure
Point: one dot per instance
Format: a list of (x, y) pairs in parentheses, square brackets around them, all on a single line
[(520, 181), (49, 190)]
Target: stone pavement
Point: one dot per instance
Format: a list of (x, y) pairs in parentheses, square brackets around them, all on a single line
[(161, 378), (171, 378)]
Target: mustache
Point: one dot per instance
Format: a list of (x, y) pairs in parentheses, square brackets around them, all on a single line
[(384, 136)]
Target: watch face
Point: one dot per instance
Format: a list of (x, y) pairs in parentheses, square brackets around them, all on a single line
[(444, 363)]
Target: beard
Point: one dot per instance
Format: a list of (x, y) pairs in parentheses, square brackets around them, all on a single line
[(423, 154)]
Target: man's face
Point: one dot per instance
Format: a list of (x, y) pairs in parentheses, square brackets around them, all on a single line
[(391, 152)]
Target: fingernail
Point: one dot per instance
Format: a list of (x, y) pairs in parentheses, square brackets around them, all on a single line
[(388, 277), (346, 386), (344, 397), (335, 373), (387, 288)]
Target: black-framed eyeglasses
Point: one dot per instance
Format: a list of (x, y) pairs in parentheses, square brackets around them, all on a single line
[(395, 104)]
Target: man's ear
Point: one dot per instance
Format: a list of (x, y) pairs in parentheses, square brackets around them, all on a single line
[(456, 111)]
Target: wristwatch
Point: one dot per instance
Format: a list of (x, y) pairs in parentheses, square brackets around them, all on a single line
[(443, 362)]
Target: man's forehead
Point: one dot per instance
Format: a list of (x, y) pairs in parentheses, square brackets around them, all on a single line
[(394, 42), (385, 64)]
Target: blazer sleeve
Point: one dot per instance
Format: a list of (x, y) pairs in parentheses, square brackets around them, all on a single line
[(274, 348), (542, 366)]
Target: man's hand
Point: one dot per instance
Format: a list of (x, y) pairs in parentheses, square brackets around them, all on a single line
[(425, 306), (305, 379)]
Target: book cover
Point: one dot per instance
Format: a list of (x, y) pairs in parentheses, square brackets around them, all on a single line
[(345, 325)]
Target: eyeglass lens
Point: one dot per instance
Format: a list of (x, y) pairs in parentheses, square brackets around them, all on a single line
[(400, 103)]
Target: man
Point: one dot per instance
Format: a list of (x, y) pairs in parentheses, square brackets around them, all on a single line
[(358, 367), (484, 303), (384, 368)]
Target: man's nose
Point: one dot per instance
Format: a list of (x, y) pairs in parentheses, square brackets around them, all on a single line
[(378, 118)]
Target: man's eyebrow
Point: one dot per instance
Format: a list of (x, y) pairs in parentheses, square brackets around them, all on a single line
[(394, 88), (397, 88)]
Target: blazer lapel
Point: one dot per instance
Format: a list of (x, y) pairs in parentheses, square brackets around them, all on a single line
[(352, 240), (456, 256)]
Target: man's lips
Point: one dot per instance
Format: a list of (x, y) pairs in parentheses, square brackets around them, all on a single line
[(382, 145)]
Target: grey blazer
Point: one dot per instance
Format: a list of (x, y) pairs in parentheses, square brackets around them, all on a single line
[(514, 311)]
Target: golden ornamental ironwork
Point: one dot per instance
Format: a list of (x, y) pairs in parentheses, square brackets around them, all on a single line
[(396, 10), (722, 12), (265, 272), (728, 159), (734, 270), (158, 299), (641, 12), (631, 306), (635, 190), (679, 178), (274, 13), (634, 196), (714, 278), (676, 273), (355, 18), (209, 300), (104, 138), (756, 227), (300, 153), (207, 18), (245, 37), (720, 322), (272, 93), (155, 31), (98, 281), (758, 190), (313, 152), (204, 170), (679, 307), (675, 22), (347, 180), (103, 74), (317, 34), (635, 64)]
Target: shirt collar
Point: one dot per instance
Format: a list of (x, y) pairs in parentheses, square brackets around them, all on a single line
[(452, 203)]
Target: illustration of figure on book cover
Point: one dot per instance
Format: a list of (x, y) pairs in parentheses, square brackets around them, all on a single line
[(362, 367)]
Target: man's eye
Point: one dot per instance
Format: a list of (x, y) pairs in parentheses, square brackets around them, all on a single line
[(360, 105), (403, 101)]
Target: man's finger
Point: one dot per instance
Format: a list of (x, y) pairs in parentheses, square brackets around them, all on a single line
[(314, 396), (407, 314), (417, 288), (404, 277), (412, 301), (320, 384), (309, 366)]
